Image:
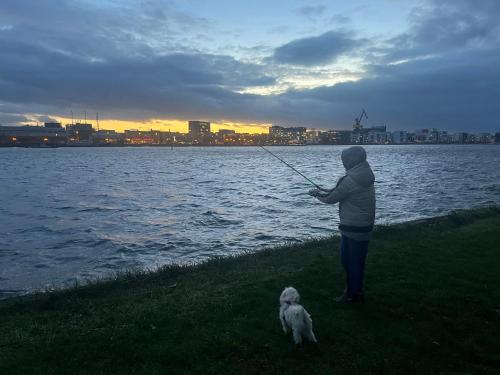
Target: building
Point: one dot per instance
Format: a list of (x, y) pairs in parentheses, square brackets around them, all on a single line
[(199, 132), (336, 137), (484, 138), (225, 136), (313, 137), (142, 137), (53, 125), (32, 136), (199, 128), (80, 133), (399, 137), (375, 134), (297, 134), (287, 135), (460, 137), (108, 138), (276, 130), (497, 137)]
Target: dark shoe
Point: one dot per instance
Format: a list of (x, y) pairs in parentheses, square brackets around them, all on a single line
[(358, 298), (345, 299)]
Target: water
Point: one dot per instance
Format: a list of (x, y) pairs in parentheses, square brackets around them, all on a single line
[(71, 214)]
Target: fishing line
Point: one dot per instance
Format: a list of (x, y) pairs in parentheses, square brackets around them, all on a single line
[(288, 165)]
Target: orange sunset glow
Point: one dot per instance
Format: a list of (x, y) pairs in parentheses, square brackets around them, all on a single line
[(173, 125)]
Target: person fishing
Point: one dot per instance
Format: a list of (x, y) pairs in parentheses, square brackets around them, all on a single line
[(355, 193)]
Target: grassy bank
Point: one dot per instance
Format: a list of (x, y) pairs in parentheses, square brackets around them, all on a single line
[(433, 306)]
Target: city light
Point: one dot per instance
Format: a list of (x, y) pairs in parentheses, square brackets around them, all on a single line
[(201, 133)]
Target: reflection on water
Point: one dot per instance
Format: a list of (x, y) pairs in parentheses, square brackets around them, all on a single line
[(70, 214)]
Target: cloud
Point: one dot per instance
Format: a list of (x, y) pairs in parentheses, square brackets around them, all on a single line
[(441, 27), (312, 12), (102, 59), (316, 50), (175, 82), (454, 92), (340, 18), (135, 62), (12, 118)]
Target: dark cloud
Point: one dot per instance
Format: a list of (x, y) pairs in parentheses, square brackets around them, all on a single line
[(456, 92), (70, 59), (316, 50), (132, 63), (155, 84), (445, 26)]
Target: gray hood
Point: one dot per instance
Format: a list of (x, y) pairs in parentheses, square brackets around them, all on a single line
[(352, 156), (354, 160)]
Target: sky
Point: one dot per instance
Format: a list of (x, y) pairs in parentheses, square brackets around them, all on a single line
[(145, 64)]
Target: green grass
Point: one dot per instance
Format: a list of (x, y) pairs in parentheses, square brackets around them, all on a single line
[(432, 307)]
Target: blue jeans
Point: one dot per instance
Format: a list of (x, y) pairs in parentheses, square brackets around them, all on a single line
[(353, 256)]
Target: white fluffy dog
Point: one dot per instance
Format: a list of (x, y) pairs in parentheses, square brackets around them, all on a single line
[(294, 316)]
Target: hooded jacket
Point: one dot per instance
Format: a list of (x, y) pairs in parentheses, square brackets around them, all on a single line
[(355, 193)]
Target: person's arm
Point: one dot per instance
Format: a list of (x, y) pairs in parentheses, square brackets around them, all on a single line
[(339, 193)]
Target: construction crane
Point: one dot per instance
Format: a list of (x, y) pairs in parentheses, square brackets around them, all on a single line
[(357, 121)]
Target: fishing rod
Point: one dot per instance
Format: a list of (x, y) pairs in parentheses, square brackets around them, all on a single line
[(288, 165)]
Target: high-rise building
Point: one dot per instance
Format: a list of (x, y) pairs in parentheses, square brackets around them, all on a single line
[(199, 128), (199, 131)]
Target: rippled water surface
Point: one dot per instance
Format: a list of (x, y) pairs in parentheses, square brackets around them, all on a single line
[(72, 214)]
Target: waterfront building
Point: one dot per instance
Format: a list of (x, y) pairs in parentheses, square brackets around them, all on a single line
[(199, 132), (142, 137), (378, 137), (497, 137), (399, 137), (32, 136), (287, 135), (276, 131), (199, 128), (312, 137), (108, 138), (460, 137), (225, 136), (277, 135), (375, 134), (443, 137), (484, 138), (335, 137), (79, 133), (297, 134)]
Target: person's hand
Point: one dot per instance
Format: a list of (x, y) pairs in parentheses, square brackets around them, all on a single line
[(313, 192)]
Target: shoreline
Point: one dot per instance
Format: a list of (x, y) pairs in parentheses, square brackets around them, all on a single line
[(243, 145), (432, 306), (192, 265)]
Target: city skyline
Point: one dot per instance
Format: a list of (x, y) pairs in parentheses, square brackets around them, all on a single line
[(157, 64), (201, 133)]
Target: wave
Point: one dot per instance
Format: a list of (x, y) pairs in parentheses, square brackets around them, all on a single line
[(213, 219)]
